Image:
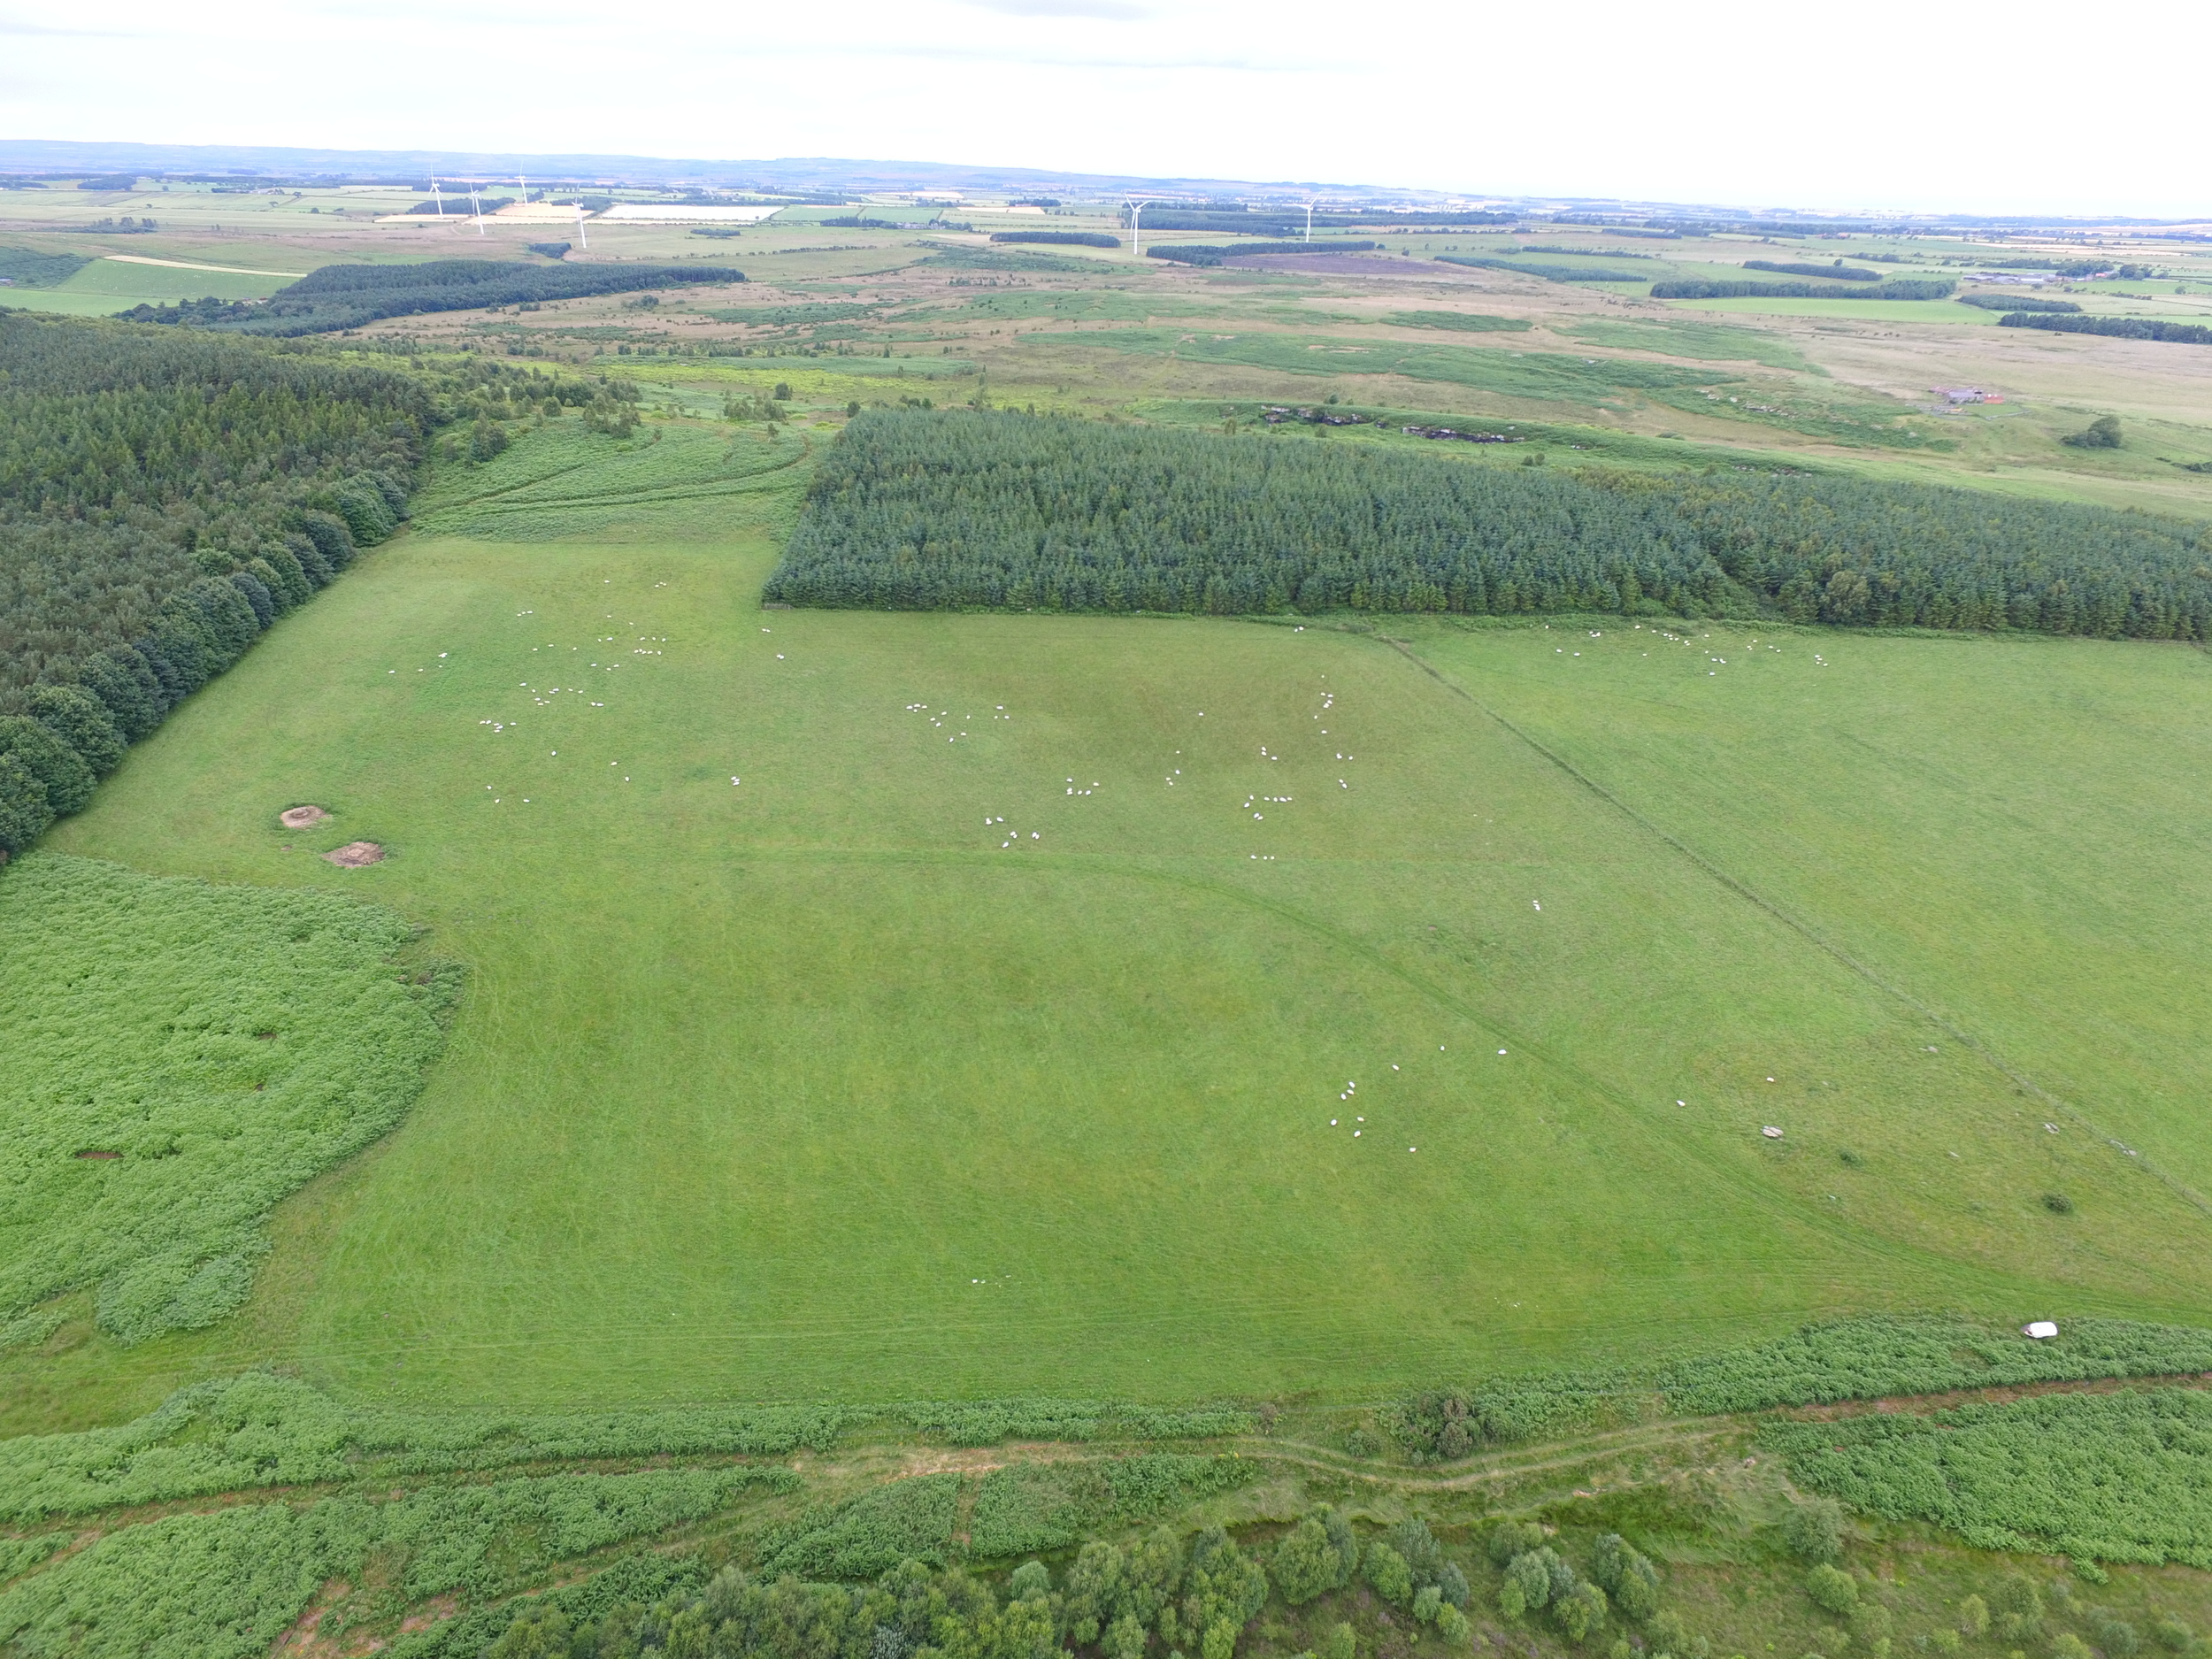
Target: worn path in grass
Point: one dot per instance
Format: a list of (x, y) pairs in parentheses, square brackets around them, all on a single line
[(814, 1084)]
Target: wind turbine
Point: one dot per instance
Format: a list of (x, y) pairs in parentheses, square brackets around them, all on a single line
[(437, 198), (583, 241), (1310, 221), (1136, 236), (476, 204)]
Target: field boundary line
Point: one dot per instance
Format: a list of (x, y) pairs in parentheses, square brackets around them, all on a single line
[(1805, 930)]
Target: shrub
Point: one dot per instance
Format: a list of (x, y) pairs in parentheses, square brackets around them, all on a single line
[(1452, 1627), (1305, 1565), (1944, 1640), (2174, 1635), (1974, 1617), (1452, 1583), (1344, 1542), (1814, 1531), (1426, 1603), (1531, 1574), (2101, 434), (1509, 1538), (2019, 1607), (1833, 1589), (1387, 1571), (2119, 1639), (1339, 1643), (1511, 1602), (2069, 1645), (1580, 1613), (1423, 1557), (1029, 1582)]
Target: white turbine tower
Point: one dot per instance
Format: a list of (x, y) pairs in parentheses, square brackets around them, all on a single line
[(476, 206), (583, 241), (437, 198), (1136, 235), (1309, 221)]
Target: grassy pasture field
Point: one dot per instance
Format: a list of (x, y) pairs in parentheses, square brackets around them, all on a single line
[(872, 1006)]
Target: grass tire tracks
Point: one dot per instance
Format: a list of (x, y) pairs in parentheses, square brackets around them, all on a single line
[(1805, 930)]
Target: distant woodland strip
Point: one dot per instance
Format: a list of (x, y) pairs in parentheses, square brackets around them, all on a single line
[(2121, 328), (916, 510), (2019, 302), (1063, 238), (1194, 253), (1895, 288), (1550, 272), (349, 295), (1838, 271)]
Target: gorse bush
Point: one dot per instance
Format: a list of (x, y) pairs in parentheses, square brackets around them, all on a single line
[(2106, 1477), (907, 1519), (922, 510), (212, 1049)]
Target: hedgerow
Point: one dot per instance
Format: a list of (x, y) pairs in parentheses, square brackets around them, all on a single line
[(1023, 1508), (180, 1057), (228, 1583), (990, 1422), (1850, 1359), (923, 510), (1988, 302), (2100, 1477)]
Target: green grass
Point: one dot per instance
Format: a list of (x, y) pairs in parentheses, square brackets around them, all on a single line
[(810, 1086)]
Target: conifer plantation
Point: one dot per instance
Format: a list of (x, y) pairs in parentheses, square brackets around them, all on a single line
[(918, 510)]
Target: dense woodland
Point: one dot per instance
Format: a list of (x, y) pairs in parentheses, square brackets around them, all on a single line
[(929, 511), (348, 295), (167, 495)]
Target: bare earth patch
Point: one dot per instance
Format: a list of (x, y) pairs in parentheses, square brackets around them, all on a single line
[(354, 854), (301, 817)]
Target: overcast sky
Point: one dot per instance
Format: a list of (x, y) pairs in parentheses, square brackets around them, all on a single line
[(2010, 105)]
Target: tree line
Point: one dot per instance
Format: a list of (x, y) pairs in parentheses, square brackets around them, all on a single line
[(2123, 327), (1894, 289), (349, 295), (1839, 271), (1067, 238), (1198, 253), (946, 510)]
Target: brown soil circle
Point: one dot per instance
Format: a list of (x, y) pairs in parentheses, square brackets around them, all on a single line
[(354, 854), (301, 817)]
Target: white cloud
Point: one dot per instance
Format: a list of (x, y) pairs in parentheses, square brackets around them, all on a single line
[(1727, 101)]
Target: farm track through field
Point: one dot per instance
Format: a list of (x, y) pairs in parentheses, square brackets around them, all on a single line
[(1805, 930)]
